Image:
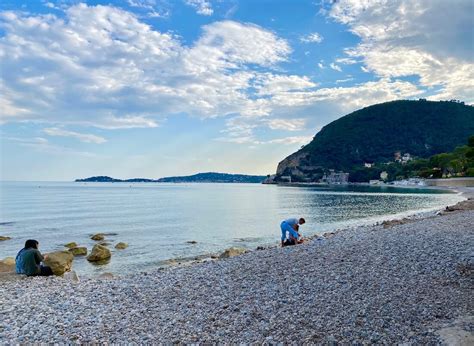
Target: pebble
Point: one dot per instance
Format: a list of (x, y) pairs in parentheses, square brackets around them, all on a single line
[(396, 285)]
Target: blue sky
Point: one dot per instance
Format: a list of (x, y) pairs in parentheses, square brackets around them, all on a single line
[(152, 88)]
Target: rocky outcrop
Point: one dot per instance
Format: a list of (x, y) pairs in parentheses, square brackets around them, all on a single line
[(3, 238), (99, 253), (7, 265), (290, 164), (231, 252), (70, 245), (98, 236), (78, 251), (59, 261), (121, 246)]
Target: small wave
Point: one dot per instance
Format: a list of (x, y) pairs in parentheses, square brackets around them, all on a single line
[(247, 239), (8, 223)]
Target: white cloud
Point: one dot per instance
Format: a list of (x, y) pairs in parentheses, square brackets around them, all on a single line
[(312, 38), (292, 140), (270, 84), (346, 61), (147, 4), (429, 39), (150, 8), (348, 98), (83, 137), (287, 124), (101, 66), (125, 122), (42, 145), (335, 67), (51, 5), (202, 7), (338, 81)]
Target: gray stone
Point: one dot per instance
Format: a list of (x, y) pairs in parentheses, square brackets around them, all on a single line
[(99, 253)]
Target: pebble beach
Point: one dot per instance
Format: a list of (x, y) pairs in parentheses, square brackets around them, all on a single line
[(409, 282)]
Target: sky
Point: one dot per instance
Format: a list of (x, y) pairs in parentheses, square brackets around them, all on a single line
[(154, 88)]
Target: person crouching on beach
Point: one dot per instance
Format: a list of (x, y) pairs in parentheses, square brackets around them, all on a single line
[(28, 260), (289, 231)]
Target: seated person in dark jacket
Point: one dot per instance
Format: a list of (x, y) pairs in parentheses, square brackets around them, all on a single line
[(28, 260)]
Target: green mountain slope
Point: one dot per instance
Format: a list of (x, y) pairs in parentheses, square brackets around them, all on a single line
[(373, 134)]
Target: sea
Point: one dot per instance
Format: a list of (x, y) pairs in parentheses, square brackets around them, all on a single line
[(165, 224)]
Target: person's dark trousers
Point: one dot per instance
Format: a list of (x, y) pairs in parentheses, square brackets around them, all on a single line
[(288, 242), (46, 271)]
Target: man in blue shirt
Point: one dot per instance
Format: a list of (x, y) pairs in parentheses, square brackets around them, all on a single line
[(289, 233)]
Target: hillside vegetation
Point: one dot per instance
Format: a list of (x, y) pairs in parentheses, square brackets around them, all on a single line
[(458, 163), (376, 133)]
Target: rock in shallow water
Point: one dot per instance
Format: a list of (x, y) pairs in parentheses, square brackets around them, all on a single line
[(70, 245), (59, 261), (98, 236), (99, 253), (78, 251), (2, 238), (121, 246)]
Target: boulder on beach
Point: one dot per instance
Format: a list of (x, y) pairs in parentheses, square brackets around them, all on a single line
[(98, 236), (231, 252), (78, 251), (3, 238), (99, 253), (59, 261), (70, 245), (7, 265), (121, 246)]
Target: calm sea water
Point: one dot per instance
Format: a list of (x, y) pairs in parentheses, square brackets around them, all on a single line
[(157, 220)]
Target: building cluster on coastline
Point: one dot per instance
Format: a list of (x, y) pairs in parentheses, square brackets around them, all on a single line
[(403, 159), (335, 178)]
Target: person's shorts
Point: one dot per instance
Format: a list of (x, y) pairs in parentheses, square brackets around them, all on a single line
[(45, 271), (289, 242)]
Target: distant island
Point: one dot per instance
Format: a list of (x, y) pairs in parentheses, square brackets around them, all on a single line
[(208, 177)]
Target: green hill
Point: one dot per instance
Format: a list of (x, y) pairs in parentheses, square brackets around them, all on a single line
[(375, 133)]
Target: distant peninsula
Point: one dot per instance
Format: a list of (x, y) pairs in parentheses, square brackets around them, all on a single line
[(208, 177)]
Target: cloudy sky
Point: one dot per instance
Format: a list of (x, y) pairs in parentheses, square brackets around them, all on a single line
[(152, 88)]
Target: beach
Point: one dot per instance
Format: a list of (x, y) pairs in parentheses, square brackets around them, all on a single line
[(406, 282)]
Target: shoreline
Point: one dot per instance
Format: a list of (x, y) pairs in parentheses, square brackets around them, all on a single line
[(407, 282), (174, 262), (409, 216)]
